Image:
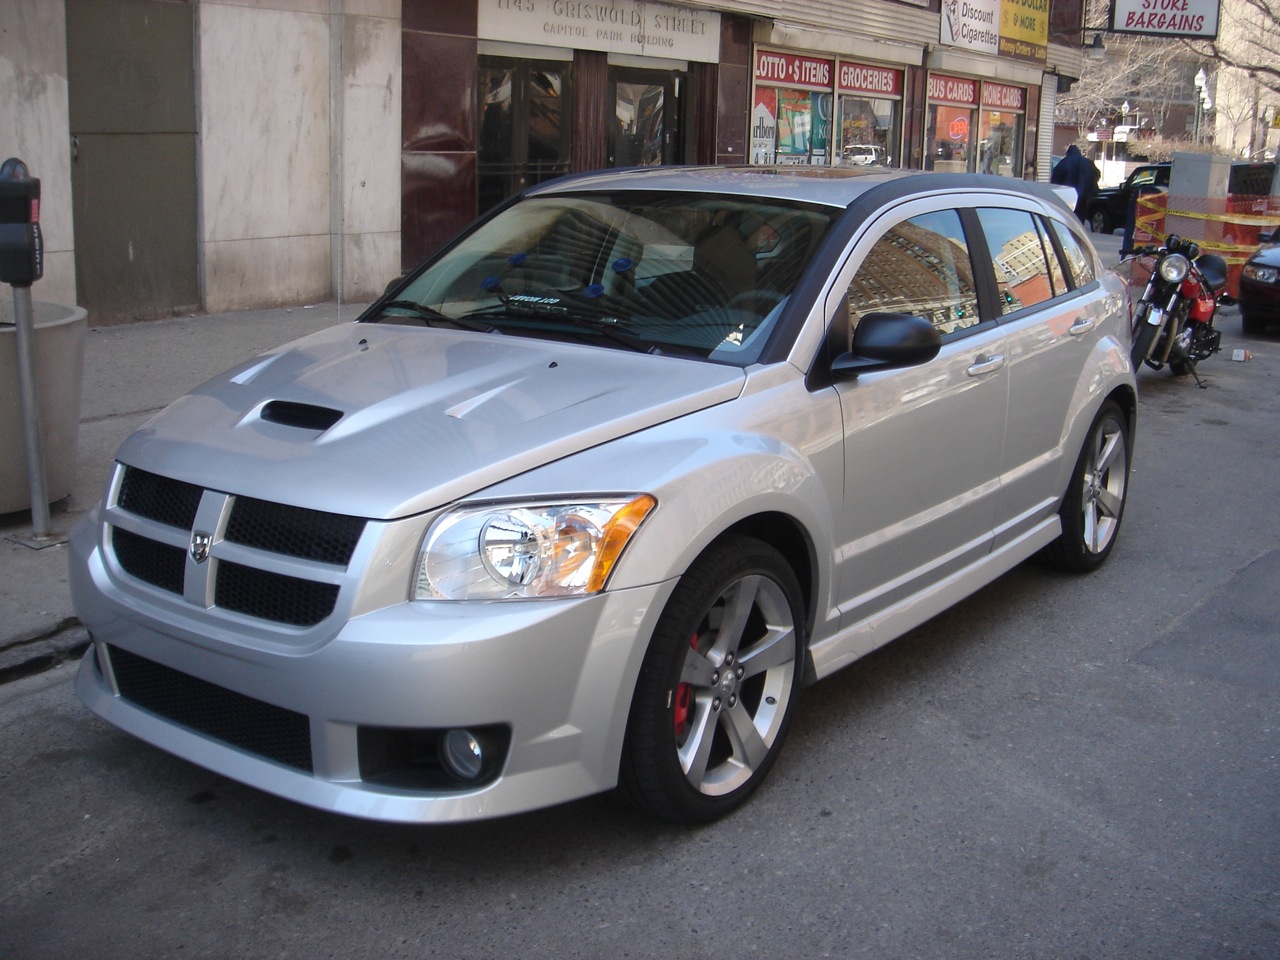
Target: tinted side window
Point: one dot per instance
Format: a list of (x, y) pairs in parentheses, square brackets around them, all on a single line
[(1078, 261), (1018, 256), (920, 266)]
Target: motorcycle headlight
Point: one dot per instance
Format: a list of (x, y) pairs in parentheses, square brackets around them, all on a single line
[(508, 551), (1174, 268)]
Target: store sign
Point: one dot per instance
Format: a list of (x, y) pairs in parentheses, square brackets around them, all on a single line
[(612, 26), (1193, 19), (793, 70), (862, 78), (1000, 96), (954, 90), (1024, 30), (971, 24)]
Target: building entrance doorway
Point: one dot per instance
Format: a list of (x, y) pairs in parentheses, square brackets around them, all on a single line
[(525, 121), (645, 129)]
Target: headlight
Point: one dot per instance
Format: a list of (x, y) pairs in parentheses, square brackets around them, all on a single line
[(1253, 271), (1174, 268), (519, 550)]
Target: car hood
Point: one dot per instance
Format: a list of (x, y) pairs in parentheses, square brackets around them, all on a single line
[(1268, 255), (421, 417)]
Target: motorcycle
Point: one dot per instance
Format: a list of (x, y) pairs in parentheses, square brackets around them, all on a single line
[(1173, 322)]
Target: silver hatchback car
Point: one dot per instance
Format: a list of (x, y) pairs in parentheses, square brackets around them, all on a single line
[(587, 499)]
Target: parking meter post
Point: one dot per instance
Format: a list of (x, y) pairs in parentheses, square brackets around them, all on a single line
[(37, 481), (22, 264)]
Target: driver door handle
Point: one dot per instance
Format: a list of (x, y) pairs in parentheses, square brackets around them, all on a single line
[(985, 364), (1082, 326)]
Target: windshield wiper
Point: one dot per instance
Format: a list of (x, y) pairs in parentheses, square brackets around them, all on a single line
[(433, 318), (558, 320)]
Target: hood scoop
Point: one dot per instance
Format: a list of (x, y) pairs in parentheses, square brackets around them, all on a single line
[(304, 416)]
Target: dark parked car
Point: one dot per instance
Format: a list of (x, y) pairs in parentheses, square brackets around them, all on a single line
[(1260, 286), (1110, 207)]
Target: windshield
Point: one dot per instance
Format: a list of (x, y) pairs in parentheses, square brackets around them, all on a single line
[(698, 275)]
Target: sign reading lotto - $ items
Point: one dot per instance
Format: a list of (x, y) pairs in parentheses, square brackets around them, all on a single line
[(1194, 19)]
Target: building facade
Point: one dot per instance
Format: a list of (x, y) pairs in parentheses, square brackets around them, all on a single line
[(227, 154)]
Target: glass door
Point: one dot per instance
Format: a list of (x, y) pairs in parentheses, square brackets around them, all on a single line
[(524, 126), (645, 129)]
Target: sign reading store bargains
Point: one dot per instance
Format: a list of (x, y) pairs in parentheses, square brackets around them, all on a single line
[(612, 26), (1193, 19)]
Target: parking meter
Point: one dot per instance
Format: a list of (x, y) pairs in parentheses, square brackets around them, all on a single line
[(21, 245)]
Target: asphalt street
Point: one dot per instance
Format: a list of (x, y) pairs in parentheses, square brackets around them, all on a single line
[(1059, 767)]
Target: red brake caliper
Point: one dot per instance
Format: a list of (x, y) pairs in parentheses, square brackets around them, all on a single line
[(684, 701)]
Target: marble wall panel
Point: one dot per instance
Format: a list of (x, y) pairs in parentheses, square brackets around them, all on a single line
[(457, 17), (369, 262), (438, 200), (370, 151), (264, 106), (245, 274), (34, 119), (439, 110)]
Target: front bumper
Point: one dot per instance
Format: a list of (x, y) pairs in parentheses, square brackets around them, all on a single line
[(556, 675)]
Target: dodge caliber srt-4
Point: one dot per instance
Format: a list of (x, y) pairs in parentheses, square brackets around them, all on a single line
[(587, 499)]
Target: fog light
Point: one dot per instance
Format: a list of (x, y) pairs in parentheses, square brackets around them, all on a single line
[(462, 754)]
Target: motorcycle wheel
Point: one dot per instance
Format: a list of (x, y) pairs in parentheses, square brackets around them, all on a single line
[(1144, 334), (1183, 368), (1093, 505)]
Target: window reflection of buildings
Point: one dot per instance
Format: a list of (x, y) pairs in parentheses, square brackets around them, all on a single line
[(1022, 271), (916, 270)]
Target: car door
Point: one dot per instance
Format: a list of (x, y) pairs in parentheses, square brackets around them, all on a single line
[(922, 444), (1050, 312)]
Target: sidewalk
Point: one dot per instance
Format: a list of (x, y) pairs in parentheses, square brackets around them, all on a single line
[(130, 372)]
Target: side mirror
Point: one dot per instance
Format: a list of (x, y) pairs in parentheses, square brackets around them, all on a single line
[(885, 341)]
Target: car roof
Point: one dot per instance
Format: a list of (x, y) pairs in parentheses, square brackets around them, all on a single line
[(830, 186)]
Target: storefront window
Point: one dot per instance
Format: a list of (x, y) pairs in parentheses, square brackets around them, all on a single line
[(870, 122), (949, 130), (789, 123), (1000, 144), (1000, 138)]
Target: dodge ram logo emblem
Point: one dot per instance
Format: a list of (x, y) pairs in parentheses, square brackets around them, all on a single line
[(200, 544)]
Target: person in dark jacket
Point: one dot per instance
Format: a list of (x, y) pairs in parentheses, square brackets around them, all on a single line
[(1079, 172)]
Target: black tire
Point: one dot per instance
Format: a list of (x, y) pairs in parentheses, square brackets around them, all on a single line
[(1144, 334), (1251, 326), (718, 685), (1093, 505), (1099, 222), (1182, 368)]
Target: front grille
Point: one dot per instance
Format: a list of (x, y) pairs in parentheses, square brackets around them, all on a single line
[(250, 587), (273, 596), (293, 531), (157, 498), (260, 728), (158, 564)]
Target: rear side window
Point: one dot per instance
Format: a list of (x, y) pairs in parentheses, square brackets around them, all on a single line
[(1079, 263), (920, 266), (1019, 257)]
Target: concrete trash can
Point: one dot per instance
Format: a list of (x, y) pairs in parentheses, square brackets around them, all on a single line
[(59, 359)]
